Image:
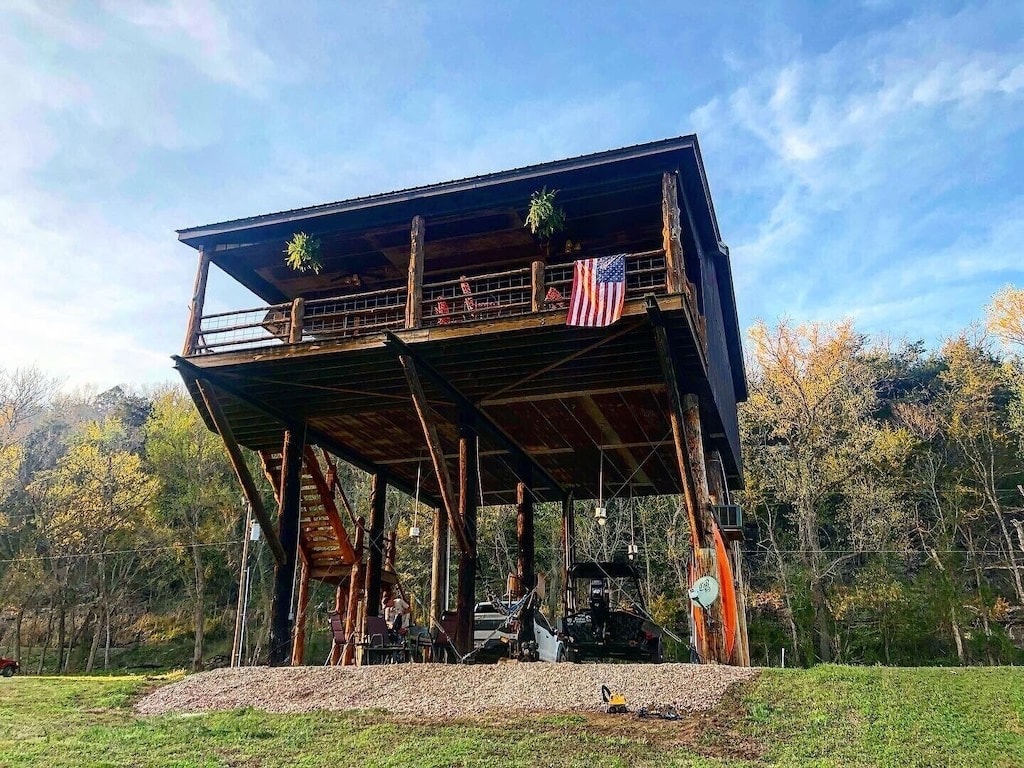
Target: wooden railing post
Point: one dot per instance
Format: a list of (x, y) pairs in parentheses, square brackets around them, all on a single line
[(195, 315), (537, 285), (414, 296), (671, 233), (295, 327)]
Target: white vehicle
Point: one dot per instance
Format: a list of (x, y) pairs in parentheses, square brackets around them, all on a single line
[(498, 628)]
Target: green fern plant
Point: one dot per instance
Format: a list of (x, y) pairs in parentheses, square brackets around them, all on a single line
[(303, 253), (544, 218)]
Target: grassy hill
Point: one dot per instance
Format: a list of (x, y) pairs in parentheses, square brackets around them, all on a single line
[(827, 716)]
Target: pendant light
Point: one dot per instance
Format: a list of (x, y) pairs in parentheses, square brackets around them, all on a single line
[(414, 529), (600, 513)]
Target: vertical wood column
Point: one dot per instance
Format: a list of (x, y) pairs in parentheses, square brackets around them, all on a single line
[(378, 497), (355, 591), (712, 647), (438, 566), (299, 641), (341, 608), (296, 323), (525, 532), (468, 499), (719, 494), (671, 234), (537, 292), (289, 510), (568, 552), (195, 314), (414, 296)]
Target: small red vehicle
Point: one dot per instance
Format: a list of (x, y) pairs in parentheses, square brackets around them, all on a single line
[(8, 667)]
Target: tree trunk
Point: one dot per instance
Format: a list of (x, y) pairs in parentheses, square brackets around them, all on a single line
[(46, 641), (199, 617), (106, 644), (17, 634), (97, 630), (821, 619)]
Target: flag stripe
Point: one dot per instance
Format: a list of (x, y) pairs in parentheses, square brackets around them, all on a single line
[(598, 291)]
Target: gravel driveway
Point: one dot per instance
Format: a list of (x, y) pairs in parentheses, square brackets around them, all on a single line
[(437, 690)]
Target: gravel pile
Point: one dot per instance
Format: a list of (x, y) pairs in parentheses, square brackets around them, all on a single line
[(441, 691)]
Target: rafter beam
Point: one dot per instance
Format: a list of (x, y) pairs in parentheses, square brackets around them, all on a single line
[(313, 435), (483, 422)]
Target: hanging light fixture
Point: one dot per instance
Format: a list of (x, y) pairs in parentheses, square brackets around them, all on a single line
[(414, 529), (631, 550), (600, 513)]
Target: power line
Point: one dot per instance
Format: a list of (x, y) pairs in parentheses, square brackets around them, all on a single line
[(130, 550)]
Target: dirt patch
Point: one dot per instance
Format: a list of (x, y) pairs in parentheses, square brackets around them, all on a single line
[(439, 691)]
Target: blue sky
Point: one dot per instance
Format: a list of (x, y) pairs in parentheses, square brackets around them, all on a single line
[(865, 159)]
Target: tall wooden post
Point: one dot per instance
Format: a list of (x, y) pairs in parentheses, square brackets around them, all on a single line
[(299, 641), (297, 319), (236, 645), (671, 234), (355, 589), (341, 608), (537, 292), (195, 313), (468, 498), (414, 295), (568, 552), (525, 532), (438, 566), (289, 511), (720, 495), (378, 497)]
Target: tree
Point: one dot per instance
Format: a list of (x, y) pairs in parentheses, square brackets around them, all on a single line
[(196, 502), (1005, 316)]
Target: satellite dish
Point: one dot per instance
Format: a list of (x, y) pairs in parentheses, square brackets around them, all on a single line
[(704, 591)]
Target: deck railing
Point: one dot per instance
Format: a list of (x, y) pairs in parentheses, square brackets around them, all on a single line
[(466, 299)]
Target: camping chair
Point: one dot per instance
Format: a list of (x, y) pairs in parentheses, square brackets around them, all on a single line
[(378, 646), (338, 631)]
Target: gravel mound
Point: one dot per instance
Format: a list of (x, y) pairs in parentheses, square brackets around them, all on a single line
[(437, 690)]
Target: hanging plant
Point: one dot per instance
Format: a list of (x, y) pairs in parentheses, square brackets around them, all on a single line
[(303, 253), (543, 218)]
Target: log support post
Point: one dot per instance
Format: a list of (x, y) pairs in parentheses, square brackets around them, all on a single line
[(378, 497), (438, 567), (537, 290), (297, 318), (468, 499), (414, 296), (568, 553), (341, 608), (195, 313), (525, 532), (299, 640), (671, 233), (719, 492), (355, 595), (289, 511)]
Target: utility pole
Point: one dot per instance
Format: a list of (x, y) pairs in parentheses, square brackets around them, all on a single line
[(243, 579)]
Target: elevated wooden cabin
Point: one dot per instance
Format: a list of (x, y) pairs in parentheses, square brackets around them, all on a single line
[(436, 332)]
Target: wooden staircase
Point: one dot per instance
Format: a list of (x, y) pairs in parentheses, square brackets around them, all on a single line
[(324, 542)]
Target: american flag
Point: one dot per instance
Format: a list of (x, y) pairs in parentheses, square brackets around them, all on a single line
[(598, 291)]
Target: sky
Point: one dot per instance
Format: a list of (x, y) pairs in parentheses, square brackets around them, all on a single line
[(866, 159)]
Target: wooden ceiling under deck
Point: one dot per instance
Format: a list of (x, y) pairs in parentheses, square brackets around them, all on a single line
[(565, 395)]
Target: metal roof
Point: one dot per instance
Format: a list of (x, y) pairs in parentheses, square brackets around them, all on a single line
[(192, 235)]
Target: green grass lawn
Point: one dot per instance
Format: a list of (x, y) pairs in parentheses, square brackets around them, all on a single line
[(828, 716)]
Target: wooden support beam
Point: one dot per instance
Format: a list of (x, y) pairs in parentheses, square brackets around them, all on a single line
[(295, 324), (414, 296), (468, 499), (288, 521), (482, 422), (525, 534), (568, 553), (340, 607), (195, 313), (537, 291), (444, 480), (719, 490), (299, 639), (252, 494), (330, 508), (334, 483), (671, 234), (438, 566), (315, 436), (355, 591), (378, 498)]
